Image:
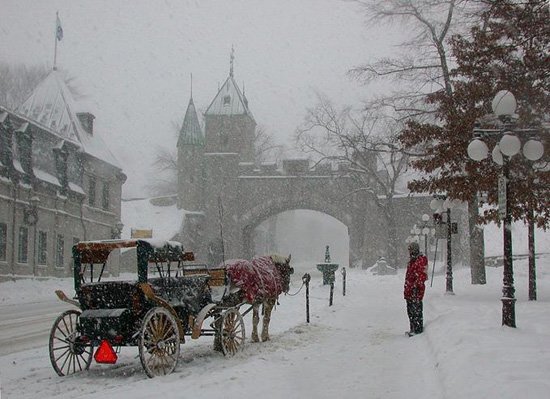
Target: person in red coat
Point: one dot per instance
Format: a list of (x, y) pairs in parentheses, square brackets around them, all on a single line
[(414, 288)]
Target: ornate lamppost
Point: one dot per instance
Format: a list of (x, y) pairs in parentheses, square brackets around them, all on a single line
[(422, 228), (441, 204), (425, 229), (506, 132)]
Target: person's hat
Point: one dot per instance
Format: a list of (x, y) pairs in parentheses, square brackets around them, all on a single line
[(414, 248)]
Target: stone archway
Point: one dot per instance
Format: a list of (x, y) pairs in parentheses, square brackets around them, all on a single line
[(263, 211), (305, 234)]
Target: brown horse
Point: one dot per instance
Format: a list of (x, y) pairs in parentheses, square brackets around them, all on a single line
[(260, 282)]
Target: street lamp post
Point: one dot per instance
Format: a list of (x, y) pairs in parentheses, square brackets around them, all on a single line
[(423, 229), (504, 108), (426, 230), (449, 280), (441, 204)]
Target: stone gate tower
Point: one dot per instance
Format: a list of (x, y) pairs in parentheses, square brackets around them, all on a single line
[(229, 124), (191, 161), (227, 194), (209, 163)]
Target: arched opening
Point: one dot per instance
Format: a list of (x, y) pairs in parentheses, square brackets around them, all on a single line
[(304, 234)]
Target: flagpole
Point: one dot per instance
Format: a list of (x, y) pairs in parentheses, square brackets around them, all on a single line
[(55, 39)]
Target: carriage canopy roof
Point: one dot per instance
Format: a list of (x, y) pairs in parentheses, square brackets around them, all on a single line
[(157, 250)]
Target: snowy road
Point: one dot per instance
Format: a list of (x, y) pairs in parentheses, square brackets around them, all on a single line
[(27, 325)]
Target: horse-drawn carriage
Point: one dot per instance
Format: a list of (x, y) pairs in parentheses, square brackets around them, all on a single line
[(171, 298)]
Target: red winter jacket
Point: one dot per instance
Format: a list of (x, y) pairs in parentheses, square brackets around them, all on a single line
[(415, 277)]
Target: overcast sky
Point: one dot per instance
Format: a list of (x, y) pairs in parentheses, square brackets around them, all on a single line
[(133, 59)]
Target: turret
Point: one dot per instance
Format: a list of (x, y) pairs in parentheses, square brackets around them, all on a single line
[(191, 161), (229, 124)]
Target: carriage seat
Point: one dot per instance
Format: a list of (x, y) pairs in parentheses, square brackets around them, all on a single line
[(189, 292), (109, 294)]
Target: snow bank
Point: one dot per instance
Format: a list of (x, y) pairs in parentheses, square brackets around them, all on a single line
[(356, 348)]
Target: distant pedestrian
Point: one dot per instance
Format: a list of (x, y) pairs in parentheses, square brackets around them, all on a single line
[(414, 288)]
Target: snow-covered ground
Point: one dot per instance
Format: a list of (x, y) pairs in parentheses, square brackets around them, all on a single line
[(356, 348)]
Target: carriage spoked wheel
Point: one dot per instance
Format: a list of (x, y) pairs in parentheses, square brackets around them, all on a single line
[(159, 343), (232, 332), (68, 353)]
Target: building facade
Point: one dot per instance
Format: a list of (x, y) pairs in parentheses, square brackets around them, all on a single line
[(59, 183)]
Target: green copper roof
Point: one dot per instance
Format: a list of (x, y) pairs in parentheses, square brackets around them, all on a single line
[(191, 132)]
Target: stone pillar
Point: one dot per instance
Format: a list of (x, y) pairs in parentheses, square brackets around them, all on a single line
[(221, 201)]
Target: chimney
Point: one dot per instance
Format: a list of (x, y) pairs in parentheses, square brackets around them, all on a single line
[(87, 121)]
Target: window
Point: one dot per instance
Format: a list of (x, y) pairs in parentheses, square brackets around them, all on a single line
[(22, 249), (61, 157), (224, 139), (59, 251), (91, 191), (3, 240), (105, 196), (226, 100), (42, 248)]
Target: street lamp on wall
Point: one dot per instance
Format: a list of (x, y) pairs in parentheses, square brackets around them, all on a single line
[(30, 214), (116, 230), (509, 144), (30, 217)]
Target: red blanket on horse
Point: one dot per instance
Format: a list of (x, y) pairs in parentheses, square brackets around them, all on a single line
[(257, 279)]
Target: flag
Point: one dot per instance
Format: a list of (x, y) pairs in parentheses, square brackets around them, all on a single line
[(58, 28)]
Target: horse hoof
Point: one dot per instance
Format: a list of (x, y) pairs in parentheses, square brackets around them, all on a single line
[(254, 339), (265, 339)]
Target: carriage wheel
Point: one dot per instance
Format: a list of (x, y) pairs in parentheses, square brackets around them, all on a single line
[(67, 354), (159, 343), (232, 332)]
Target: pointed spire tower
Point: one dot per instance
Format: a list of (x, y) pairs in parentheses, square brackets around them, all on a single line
[(190, 159), (229, 124), (191, 132)]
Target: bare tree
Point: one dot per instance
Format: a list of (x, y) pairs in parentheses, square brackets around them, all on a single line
[(17, 81), (265, 147), (368, 143), (165, 181), (423, 68)]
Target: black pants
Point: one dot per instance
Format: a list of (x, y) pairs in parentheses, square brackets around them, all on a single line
[(416, 321)]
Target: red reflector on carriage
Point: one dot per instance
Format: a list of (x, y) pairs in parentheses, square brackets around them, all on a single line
[(105, 353)]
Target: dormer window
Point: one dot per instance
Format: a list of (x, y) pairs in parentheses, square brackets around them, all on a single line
[(91, 190), (61, 157), (226, 100), (24, 149), (87, 121), (105, 196), (6, 143)]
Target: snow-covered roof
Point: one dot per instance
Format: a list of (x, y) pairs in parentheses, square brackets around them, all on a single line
[(52, 105), (229, 101), (165, 221), (191, 132)]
